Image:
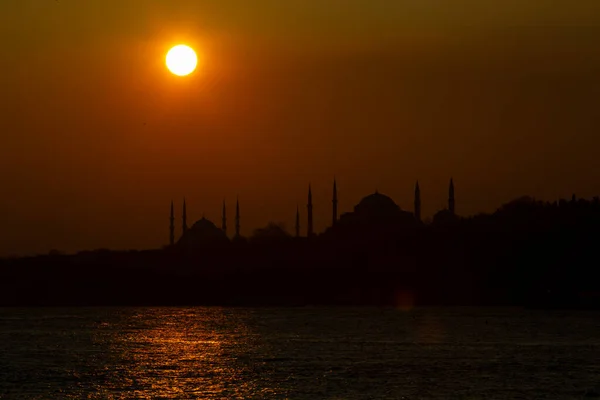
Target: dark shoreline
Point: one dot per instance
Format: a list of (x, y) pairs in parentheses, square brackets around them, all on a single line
[(528, 254), (62, 281)]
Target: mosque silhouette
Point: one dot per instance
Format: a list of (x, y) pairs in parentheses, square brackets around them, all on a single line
[(375, 213), (527, 253)]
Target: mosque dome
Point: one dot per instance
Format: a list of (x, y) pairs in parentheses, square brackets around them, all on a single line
[(377, 204), (375, 216), (444, 217), (204, 226), (203, 232)]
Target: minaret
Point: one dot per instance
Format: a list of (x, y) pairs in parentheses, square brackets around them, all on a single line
[(172, 226), (184, 219), (309, 206), (237, 218), (335, 203), (224, 220), (417, 202), (297, 222), (451, 197)]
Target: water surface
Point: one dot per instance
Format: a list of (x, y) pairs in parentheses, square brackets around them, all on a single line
[(298, 353)]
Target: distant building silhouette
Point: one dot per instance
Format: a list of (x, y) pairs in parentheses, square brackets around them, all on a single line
[(184, 226), (172, 226), (237, 218), (273, 233), (202, 234), (374, 214), (528, 253), (335, 203), (417, 202), (375, 217), (451, 197), (377, 206), (224, 219), (297, 226), (309, 206), (448, 215)]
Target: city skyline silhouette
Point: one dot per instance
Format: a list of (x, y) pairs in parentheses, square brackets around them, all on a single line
[(299, 199), (98, 136), (309, 218)]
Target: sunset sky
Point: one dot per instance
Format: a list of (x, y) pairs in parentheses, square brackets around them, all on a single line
[(97, 137)]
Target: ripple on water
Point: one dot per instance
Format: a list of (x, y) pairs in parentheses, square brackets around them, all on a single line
[(299, 353)]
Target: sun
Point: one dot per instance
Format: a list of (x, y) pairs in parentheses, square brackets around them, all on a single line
[(181, 60)]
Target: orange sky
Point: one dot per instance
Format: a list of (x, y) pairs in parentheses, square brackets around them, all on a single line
[(98, 137)]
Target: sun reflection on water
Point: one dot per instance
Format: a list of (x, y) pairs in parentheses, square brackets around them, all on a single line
[(296, 353), (189, 354)]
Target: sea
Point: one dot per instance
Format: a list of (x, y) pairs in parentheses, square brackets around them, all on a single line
[(298, 353)]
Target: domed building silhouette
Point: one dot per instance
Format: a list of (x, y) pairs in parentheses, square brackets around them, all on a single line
[(376, 215), (202, 233), (376, 206)]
